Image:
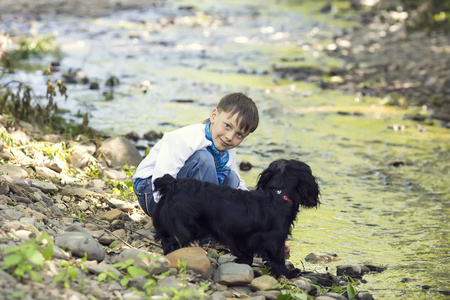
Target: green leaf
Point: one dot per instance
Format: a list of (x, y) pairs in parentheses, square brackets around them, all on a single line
[(58, 277), (12, 260), (129, 262), (35, 276), (351, 291), (47, 251), (135, 272), (72, 272), (124, 281), (36, 258), (101, 277), (19, 294)]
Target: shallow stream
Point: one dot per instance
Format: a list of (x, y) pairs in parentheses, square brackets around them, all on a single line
[(385, 192)]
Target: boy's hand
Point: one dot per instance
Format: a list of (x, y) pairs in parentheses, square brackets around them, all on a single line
[(287, 247)]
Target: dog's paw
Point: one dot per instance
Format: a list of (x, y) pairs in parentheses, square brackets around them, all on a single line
[(293, 273)]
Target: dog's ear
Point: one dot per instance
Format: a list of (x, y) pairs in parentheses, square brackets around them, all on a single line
[(270, 178), (308, 188)]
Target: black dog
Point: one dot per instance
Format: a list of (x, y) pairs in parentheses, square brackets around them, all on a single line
[(248, 222)]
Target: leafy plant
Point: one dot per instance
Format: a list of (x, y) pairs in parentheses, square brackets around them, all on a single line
[(351, 288), (123, 188), (17, 99), (67, 274), (29, 258), (36, 45), (127, 268), (290, 291)]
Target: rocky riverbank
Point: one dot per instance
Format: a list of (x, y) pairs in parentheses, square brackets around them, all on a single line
[(70, 228)]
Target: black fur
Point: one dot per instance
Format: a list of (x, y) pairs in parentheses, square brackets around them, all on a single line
[(248, 222)]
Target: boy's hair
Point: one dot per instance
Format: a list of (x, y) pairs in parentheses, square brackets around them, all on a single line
[(238, 103)]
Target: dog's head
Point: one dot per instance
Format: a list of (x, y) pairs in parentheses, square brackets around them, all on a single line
[(293, 179)]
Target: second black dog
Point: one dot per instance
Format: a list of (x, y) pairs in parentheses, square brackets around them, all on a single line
[(248, 222)]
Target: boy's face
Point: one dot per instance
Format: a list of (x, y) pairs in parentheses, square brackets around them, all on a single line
[(224, 130)]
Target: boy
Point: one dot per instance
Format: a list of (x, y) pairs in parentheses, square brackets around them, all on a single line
[(205, 151)]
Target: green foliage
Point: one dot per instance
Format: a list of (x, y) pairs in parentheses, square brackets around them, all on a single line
[(428, 15), (19, 102), (28, 258), (123, 188), (36, 45), (351, 288), (183, 293), (290, 291), (67, 274), (126, 268)]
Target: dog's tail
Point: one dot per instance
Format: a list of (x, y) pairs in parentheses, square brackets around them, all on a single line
[(164, 184)]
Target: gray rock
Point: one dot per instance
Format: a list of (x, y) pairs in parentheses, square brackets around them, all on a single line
[(226, 258), (303, 284), (4, 186), (349, 270), (28, 221), (119, 204), (79, 244), (114, 174), (118, 152), (233, 274), (5, 277), (44, 186), (17, 185), (12, 225), (25, 235), (13, 171), (12, 215), (263, 283), (21, 136), (364, 296), (98, 268), (79, 159), (335, 296)]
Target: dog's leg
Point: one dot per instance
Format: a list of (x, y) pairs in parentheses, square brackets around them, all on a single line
[(275, 256), (243, 258), (169, 245)]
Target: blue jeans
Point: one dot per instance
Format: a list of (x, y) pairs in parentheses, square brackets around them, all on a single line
[(199, 166)]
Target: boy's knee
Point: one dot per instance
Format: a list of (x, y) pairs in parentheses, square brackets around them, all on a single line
[(232, 180), (203, 158)]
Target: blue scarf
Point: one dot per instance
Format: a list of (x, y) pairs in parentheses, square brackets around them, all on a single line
[(220, 161)]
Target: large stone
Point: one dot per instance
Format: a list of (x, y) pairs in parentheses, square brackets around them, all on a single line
[(349, 270), (320, 257), (195, 259), (21, 137), (79, 159), (79, 244), (118, 152), (233, 274), (44, 186), (303, 284), (329, 296), (111, 215), (12, 215), (13, 171), (263, 283)]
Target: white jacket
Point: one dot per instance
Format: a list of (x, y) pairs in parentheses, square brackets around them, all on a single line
[(169, 155)]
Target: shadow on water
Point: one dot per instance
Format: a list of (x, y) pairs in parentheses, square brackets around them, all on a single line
[(385, 192)]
